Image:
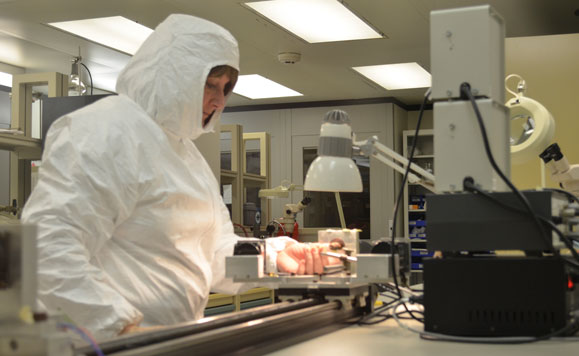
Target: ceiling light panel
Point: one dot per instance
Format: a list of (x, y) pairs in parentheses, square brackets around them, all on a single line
[(254, 86), (316, 20), (397, 76), (115, 32)]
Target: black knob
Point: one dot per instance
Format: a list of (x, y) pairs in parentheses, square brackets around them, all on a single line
[(247, 248)]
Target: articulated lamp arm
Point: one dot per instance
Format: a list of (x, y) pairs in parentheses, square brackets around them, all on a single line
[(372, 148)]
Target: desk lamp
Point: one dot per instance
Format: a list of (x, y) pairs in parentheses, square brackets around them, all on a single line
[(334, 170)]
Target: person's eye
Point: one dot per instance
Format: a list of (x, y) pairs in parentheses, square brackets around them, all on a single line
[(209, 86)]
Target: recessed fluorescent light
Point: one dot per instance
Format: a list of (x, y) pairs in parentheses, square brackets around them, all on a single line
[(116, 32), (254, 86), (316, 20), (6, 79), (397, 76)]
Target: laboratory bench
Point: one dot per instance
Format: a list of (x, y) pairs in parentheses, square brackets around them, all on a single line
[(387, 338)]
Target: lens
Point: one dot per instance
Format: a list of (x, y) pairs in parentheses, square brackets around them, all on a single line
[(522, 127)]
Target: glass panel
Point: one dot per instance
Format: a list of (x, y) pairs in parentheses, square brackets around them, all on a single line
[(5, 112), (252, 157), (356, 206), (4, 177), (39, 92), (226, 193), (522, 127), (225, 145), (252, 203), (424, 146)]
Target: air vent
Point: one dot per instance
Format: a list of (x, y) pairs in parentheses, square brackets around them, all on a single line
[(510, 317)]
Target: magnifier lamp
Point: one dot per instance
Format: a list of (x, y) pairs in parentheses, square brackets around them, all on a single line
[(532, 126)]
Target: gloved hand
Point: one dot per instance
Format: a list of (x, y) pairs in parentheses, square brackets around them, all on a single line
[(304, 259)]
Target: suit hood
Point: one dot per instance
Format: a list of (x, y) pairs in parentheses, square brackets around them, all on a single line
[(167, 75)]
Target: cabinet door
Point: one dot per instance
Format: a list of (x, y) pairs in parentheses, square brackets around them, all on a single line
[(256, 171), (230, 161)]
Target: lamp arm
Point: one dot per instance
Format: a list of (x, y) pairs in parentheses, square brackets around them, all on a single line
[(417, 174), (295, 187), (412, 178)]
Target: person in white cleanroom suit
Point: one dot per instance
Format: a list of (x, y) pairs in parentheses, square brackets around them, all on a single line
[(132, 230)]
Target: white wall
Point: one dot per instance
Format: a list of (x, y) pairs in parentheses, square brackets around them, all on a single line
[(290, 128)]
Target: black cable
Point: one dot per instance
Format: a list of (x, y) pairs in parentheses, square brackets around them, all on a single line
[(90, 76), (571, 196), (401, 192), (469, 186), (378, 312), (384, 318), (465, 90), (381, 316)]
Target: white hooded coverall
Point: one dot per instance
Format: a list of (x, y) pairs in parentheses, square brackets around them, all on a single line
[(131, 224)]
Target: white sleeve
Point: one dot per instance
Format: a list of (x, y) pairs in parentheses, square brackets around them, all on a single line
[(80, 195), (224, 248)]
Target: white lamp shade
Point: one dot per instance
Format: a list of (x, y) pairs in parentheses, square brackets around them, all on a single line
[(542, 134), (333, 174)]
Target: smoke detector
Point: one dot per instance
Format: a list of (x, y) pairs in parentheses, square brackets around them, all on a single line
[(289, 57)]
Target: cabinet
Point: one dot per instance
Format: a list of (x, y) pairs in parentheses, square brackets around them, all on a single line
[(27, 147), (224, 303), (415, 224), (245, 169)]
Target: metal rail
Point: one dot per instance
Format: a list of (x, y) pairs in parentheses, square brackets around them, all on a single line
[(148, 338), (257, 336)]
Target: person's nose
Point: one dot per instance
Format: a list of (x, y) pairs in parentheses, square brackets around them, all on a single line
[(219, 100)]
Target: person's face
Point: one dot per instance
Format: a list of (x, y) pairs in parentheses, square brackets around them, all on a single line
[(214, 96)]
